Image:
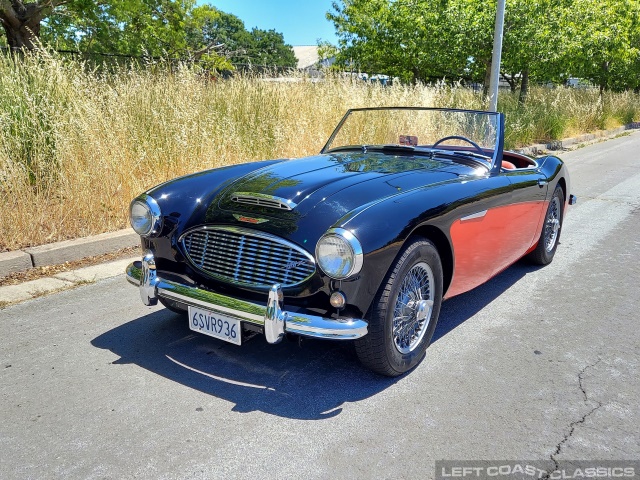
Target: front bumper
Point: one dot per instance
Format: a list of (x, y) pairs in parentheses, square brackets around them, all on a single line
[(271, 316)]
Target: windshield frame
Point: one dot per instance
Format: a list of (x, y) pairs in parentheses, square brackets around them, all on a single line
[(496, 158)]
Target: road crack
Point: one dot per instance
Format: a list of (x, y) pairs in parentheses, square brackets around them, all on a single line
[(575, 424)]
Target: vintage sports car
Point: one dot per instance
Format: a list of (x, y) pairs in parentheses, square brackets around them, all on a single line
[(402, 207)]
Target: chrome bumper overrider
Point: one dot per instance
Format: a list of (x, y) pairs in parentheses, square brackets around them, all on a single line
[(272, 317)]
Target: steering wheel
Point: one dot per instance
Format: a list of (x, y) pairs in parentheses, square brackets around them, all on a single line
[(460, 137)]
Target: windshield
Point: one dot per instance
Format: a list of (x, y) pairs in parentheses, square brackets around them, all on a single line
[(419, 129)]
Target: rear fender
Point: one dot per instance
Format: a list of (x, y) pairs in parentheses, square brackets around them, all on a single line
[(557, 174)]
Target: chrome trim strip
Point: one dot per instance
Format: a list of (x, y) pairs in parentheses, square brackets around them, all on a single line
[(263, 200), (474, 215), (275, 320)]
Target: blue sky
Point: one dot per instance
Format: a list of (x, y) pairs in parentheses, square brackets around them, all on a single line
[(301, 22)]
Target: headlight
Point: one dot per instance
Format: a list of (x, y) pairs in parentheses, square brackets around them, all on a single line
[(145, 216), (339, 254)]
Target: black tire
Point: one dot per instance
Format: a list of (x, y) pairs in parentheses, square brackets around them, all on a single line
[(550, 235), (393, 351), (175, 307)]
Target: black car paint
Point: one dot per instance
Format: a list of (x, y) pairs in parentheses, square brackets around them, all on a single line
[(383, 199)]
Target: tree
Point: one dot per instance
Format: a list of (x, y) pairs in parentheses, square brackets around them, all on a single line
[(130, 27), (267, 47), (361, 29), (21, 20), (472, 25), (168, 28), (607, 51), (327, 52), (208, 26), (535, 43), (416, 40), (544, 40), (124, 26)]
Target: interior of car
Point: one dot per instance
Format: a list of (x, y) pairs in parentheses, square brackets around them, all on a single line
[(512, 161)]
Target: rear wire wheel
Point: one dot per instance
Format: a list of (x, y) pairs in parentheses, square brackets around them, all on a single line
[(550, 235), (405, 311)]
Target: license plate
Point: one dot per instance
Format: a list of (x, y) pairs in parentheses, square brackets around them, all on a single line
[(215, 325)]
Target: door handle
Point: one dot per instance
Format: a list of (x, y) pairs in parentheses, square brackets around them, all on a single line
[(542, 182)]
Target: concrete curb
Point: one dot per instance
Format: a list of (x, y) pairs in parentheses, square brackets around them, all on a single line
[(67, 251), (17, 261), (63, 281), (542, 148)]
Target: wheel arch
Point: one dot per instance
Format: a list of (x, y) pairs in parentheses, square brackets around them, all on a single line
[(443, 246), (563, 185)]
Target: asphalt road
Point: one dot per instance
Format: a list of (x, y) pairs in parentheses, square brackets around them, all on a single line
[(538, 364)]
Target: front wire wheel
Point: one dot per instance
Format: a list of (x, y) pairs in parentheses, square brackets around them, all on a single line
[(550, 235), (405, 311), (413, 307)]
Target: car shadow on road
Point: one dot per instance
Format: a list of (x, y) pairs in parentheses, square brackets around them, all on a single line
[(459, 309), (311, 381)]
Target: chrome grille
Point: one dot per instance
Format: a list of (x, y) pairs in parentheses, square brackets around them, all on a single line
[(246, 257)]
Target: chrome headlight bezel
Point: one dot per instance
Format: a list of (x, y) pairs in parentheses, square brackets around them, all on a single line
[(153, 224), (353, 250)]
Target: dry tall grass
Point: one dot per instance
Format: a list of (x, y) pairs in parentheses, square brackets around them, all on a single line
[(76, 146)]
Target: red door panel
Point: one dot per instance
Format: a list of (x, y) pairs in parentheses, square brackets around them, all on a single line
[(489, 241)]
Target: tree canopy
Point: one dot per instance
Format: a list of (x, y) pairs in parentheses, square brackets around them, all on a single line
[(545, 40), (170, 28)]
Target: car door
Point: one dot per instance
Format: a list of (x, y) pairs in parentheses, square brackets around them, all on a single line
[(502, 226), (478, 232)]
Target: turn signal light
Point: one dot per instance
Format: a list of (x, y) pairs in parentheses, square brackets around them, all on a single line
[(338, 300)]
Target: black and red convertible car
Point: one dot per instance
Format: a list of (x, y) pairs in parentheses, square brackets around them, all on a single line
[(402, 208)]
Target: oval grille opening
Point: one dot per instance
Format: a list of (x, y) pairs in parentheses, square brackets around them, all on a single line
[(245, 257)]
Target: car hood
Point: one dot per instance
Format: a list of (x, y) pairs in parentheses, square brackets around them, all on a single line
[(331, 184), (323, 190)]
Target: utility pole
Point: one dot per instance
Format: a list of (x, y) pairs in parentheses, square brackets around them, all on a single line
[(496, 57)]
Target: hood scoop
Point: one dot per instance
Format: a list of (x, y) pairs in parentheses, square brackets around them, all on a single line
[(262, 200)]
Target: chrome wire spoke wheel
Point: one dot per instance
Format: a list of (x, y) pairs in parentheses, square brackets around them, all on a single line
[(545, 249), (405, 312), (552, 224), (413, 308)]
